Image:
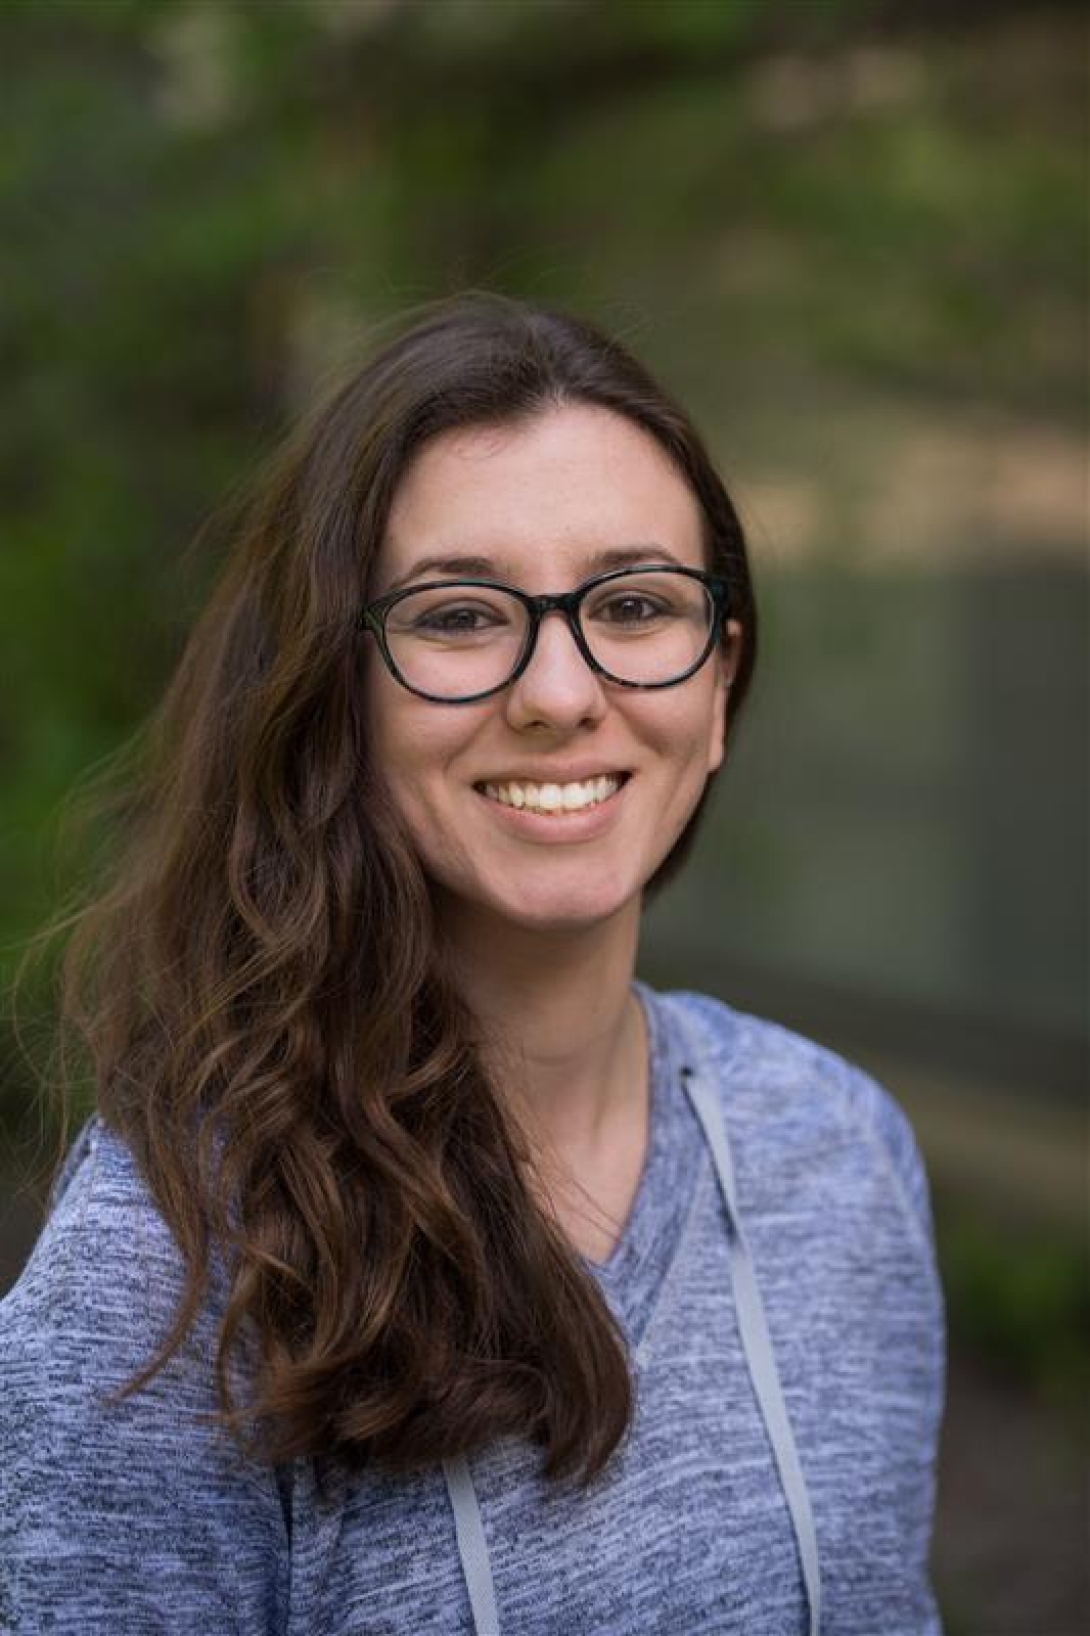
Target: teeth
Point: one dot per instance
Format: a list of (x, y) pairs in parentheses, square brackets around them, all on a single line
[(554, 798)]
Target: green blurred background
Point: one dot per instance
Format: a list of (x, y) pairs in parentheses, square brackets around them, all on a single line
[(852, 238)]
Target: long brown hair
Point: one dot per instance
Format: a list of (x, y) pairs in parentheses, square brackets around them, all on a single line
[(262, 997)]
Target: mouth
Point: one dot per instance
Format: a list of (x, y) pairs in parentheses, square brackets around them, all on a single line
[(554, 800)]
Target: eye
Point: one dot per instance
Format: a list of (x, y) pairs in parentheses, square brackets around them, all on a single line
[(451, 619), (631, 608)]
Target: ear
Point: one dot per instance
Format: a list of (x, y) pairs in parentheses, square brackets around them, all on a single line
[(726, 663)]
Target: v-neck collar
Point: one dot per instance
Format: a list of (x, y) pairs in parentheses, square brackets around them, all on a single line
[(632, 1273)]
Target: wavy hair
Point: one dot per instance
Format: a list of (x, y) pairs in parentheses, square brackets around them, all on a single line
[(260, 994)]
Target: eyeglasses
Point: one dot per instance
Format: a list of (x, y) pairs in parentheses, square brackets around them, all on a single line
[(455, 641)]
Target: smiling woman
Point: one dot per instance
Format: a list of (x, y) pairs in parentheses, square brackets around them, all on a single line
[(625, 689), (414, 1246)]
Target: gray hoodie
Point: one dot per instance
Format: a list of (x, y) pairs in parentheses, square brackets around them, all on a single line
[(776, 1282)]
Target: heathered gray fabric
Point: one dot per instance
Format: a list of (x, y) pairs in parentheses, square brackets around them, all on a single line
[(140, 1519)]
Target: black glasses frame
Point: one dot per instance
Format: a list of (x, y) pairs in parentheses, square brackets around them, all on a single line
[(568, 603)]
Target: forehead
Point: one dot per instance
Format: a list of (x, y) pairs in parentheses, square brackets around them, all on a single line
[(541, 497)]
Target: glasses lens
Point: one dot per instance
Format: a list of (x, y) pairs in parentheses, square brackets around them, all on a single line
[(454, 641), (648, 628)]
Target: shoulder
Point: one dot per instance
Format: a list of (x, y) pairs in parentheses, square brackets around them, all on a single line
[(120, 1512), (93, 1307), (782, 1090), (105, 1275)]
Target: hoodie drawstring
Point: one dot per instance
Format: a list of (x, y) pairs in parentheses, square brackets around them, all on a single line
[(760, 1361), (757, 1345), (472, 1546)]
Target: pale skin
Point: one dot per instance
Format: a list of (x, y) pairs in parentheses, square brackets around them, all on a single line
[(541, 912)]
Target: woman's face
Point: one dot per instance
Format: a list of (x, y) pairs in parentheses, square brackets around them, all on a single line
[(542, 506)]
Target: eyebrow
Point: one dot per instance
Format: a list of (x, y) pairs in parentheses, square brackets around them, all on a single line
[(598, 562)]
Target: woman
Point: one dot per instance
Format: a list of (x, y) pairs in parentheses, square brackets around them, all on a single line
[(420, 1271)]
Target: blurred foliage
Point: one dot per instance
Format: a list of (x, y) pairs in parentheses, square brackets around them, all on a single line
[(873, 209), (1020, 1302), (207, 207)]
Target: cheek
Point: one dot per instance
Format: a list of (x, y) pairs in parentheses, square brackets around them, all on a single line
[(394, 739), (690, 732), (416, 746), (408, 770), (411, 773)]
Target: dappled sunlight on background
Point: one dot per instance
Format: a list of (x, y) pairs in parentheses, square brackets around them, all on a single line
[(852, 240)]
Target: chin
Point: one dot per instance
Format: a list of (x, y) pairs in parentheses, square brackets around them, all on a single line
[(531, 901), (564, 912)]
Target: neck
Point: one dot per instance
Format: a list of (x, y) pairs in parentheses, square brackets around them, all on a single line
[(562, 1030)]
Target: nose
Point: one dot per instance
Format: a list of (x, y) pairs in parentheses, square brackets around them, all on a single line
[(558, 688)]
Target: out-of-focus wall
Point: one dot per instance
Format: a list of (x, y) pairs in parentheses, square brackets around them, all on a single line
[(852, 239)]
